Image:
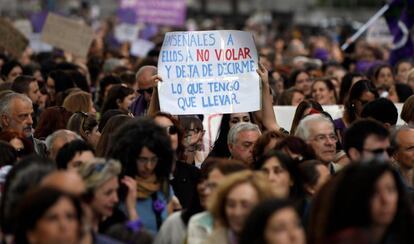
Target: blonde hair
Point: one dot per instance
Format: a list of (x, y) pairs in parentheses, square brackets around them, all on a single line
[(98, 172), (218, 201), (78, 101)]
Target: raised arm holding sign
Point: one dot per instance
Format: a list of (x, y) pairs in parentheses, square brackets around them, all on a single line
[(208, 72)]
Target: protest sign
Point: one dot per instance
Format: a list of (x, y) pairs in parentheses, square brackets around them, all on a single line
[(163, 12), (11, 39), (126, 32), (69, 35), (141, 47), (207, 72), (378, 33)]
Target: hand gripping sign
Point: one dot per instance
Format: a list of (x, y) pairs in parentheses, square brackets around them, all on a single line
[(207, 72)]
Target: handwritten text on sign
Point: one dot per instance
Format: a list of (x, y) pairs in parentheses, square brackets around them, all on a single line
[(208, 72)]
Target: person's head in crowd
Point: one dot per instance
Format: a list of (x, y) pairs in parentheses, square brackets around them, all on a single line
[(220, 148), (277, 81), (236, 196), (347, 82), (214, 171), (241, 140), (404, 91), (145, 84), (402, 141), (51, 119), (291, 97), (119, 97), (10, 70), (86, 126), (193, 134), (105, 141), (304, 108), (273, 221), (296, 148), (47, 215), (410, 78), (317, 130), (21, 144), (8, 154), (65, 180), (144, 150), (173, 129), (401, 69), (101, 180), (282, 173), (369, 196), (361, 93), (128, 78), (104, 85), (337, 84), (314, 175), (16, 113), (104, 118), (73, 154), (382, 110), (79, 79), (266, 142), (79, 101), (25, 175), (301, 80), (56, 140), (58, 81), (130, 233), (407, 112), (366, 139), (323, 91), (383, 77), (27, 85), (34, 70)]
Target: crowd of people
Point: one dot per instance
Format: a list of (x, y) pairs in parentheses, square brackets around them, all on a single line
[(86, 155)]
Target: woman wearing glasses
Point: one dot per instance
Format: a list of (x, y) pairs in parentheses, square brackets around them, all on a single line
[(146, 155), (185, 176)]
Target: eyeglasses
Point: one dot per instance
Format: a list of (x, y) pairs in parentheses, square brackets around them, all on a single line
[(380, 151), (324, 138), (196, 130), (172, 130), (142, 91), (143, 160)]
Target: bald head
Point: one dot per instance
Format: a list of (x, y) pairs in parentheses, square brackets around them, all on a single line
[(144, 75), (67, 181)]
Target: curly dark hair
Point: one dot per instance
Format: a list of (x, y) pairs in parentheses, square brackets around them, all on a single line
[(132, 137)]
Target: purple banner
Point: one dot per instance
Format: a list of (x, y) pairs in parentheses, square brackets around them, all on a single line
[(162, 12)]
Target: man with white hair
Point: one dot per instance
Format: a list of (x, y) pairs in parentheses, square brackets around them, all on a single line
[(58, 139), (241, 140), (16, 114), (318, 131)]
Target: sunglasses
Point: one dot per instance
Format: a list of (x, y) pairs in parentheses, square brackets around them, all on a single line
[(172, 130), (142, 91)]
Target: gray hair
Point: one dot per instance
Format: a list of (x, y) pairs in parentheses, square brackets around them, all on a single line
[(66, 135), (303, 129), (7, 100), (235, 130), (99, 171), (394, 133), (144, 69)]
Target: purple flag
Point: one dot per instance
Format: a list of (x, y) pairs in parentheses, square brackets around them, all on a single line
[(400, 19)]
